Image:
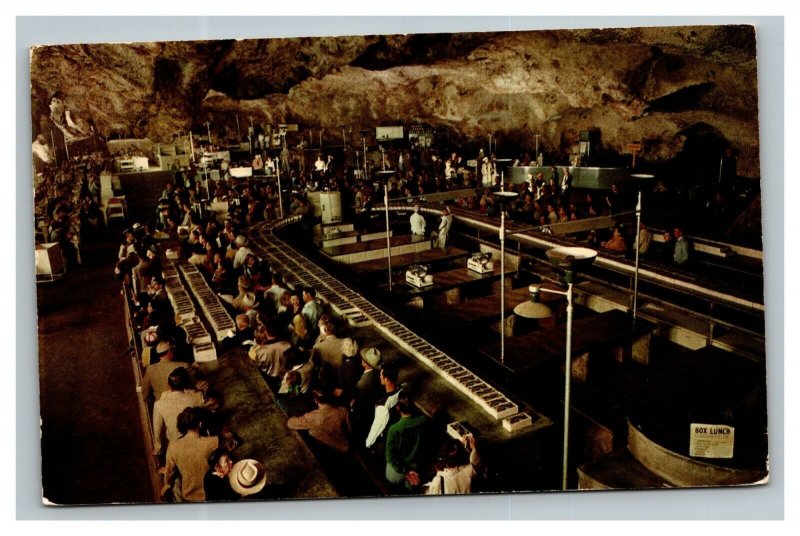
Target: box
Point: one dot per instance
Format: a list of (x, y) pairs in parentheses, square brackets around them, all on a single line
[(517, 422)]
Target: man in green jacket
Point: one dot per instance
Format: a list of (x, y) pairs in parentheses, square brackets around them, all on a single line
[(405, 444)]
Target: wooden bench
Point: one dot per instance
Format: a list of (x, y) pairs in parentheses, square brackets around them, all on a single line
[(581, 226)]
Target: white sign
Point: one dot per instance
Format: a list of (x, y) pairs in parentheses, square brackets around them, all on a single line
[(710, 440), (389, 133)]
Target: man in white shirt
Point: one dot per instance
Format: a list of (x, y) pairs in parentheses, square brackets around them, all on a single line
[(444, 228), (242, 252), (417, 222)]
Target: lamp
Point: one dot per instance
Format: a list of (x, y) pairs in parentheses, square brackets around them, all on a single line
[(570, 259), (503, 197), (533, 308)]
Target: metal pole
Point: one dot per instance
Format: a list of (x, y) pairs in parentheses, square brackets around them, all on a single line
[(720, 170), (238, 132), (191, 144), (567, 378), (388, 233), (53, 145), (208, 127), (366, 171), (636, 271), (502, 285), (205, 172), (280, 193)]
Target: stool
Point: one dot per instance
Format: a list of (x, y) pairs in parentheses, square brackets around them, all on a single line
[(116, 208)]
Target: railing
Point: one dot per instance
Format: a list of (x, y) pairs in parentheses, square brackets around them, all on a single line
[(135, 351)]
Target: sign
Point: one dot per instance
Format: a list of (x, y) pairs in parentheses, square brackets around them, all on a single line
[(389, 133), (710, 440), (635, 147)]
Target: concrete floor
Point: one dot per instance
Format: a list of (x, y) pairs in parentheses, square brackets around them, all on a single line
[(92, 441)]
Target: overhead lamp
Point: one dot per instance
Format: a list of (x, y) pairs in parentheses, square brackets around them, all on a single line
[(533, 308)]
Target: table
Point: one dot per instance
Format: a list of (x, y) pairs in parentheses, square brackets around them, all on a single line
[(610, 332)]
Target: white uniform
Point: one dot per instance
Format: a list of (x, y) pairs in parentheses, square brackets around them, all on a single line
[(417, 224), (444, 229)]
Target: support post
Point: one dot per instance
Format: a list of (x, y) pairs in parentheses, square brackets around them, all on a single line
[(636, 271), (280, 193), (388, 233), (567, 385), (502, 285)]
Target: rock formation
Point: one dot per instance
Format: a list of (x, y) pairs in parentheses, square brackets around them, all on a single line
[(662, 86)]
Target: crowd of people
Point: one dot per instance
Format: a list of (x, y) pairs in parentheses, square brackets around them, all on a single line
[(347, 399), (67, 202)]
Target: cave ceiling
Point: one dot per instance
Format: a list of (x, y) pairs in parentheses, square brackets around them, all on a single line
[(652, 84)]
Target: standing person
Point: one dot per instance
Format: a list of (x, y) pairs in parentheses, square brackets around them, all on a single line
[(368, 392), (156, 376), (312, 309), (268, 352), (614, 200), (405, 444), (299, 324), (181, 395), (681, 253), (187, 459), (444, 228), (417, 222), (382, 412), (566, 187)]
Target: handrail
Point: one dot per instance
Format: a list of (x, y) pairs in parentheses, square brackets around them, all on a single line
[(144, 413)]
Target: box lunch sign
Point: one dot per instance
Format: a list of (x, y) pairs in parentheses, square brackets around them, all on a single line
[(710, 441)]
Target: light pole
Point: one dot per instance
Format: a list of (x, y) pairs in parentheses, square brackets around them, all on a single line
[(366, 171), (388, 232), (280, 193), (569, 259), (502, 198), (636, 271)]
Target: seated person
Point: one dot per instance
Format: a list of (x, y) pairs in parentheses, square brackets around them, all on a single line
[(216, 482), (294, 395), (616, 242), (241, 335), (268, 352), (328, 424), (454, 471)]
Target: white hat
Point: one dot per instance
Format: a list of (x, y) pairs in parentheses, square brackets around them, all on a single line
[(249, 299), (372, 356), (241, 240), (247, 477)]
